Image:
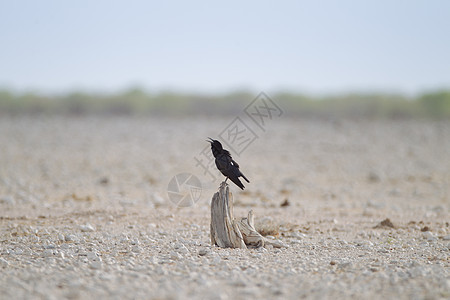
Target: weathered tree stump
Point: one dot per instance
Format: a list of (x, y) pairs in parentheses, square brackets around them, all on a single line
[(226, 231)]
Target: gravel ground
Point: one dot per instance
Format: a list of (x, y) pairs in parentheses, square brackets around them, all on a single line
[(85, 211)]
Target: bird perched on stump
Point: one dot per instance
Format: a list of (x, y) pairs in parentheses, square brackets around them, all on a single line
[(226, 165)]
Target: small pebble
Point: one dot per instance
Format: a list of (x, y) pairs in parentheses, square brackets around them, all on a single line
[(136, 249), (50, 246), (429, 236), (47, 253), (92, 256), (71, 238), (87, 228), (95, 265), (203, 252), (3, 262), (175, 255)]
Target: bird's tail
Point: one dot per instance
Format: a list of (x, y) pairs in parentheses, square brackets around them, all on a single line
[(243, 176), (237, 182)]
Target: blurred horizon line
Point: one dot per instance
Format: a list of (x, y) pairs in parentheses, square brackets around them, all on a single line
[(326, 92), (139, 101)]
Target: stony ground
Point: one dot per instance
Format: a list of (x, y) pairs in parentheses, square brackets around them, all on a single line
[(85, 213)]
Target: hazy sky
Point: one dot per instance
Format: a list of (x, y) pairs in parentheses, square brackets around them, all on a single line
[(210, 46)]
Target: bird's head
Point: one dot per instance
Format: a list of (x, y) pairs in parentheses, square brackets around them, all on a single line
[(215, 144)]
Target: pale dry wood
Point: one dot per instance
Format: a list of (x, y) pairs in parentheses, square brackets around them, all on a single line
[(224, 230), (252, 238), (227, 232)]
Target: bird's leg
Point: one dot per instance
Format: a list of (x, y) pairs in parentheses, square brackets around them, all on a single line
[(226, 180)]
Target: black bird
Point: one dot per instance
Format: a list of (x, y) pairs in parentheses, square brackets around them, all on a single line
[(226, 165)]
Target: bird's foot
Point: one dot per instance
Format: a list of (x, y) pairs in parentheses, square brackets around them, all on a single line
[(223, 185)]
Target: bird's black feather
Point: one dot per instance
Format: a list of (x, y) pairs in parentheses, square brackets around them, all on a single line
[(225, 163)]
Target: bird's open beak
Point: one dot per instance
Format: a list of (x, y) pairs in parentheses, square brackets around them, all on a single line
[(211, 140)]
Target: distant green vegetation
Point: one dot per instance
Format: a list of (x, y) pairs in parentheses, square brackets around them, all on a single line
[(435, 105)]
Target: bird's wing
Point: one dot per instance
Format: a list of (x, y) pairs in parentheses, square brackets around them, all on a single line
[(234, 163), (229, 168), (223, 162), (239, 173)]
